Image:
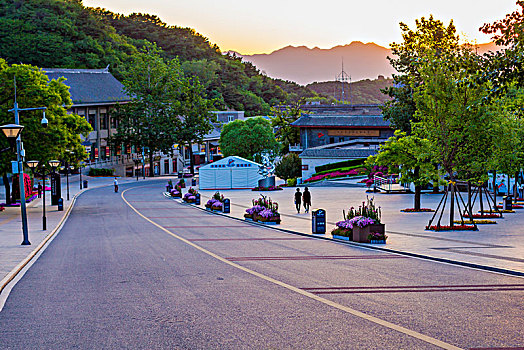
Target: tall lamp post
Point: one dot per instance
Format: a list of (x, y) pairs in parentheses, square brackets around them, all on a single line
[(12, 131), (33, 164)]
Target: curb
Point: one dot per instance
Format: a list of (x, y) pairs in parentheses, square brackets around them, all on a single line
[(361, 245)]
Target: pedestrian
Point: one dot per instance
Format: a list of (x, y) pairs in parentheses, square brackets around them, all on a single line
[(306, 199), (116, 185), (298, 199), (521, 190), (39, 188)]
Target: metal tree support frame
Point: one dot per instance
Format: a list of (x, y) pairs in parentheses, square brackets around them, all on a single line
[(454, 194), (478, 192)]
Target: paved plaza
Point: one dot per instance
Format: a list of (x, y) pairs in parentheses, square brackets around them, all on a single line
[(499, 246)]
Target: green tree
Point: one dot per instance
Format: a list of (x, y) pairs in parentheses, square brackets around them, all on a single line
[(151, 120), (289, 167), (196, 117), (35, 90), (286, 133), (248, 138), (413, 155)]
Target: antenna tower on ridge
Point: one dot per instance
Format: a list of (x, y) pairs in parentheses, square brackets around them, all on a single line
[(340, 90)]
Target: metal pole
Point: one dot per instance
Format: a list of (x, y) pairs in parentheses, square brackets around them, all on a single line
[(80, 177), (21, 178), (67, 179), (44, 220)]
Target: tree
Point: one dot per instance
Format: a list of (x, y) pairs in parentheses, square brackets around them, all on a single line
[(285, 133), (248, 138), (35, 90), (412, 155), (151, 120), (289, 167), (452, 115), (196, 117)]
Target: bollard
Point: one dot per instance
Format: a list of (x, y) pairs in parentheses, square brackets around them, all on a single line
[(227, 206), (318, 221)]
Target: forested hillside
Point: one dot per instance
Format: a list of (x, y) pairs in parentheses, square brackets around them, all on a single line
[(64, 33), (360, 92)]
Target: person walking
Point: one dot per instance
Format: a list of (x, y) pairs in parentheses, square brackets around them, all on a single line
[(298, 199), (116, 185), (39, 190), (306, 199)]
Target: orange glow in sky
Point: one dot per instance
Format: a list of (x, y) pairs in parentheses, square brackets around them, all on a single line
[(264, 26)]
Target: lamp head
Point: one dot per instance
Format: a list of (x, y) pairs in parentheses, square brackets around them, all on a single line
[(33, 164), (11, 131), (44, 121), (54, 163)]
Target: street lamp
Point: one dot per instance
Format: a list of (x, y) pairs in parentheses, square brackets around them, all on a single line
[(137, 161), (33, 164), (12, 132)]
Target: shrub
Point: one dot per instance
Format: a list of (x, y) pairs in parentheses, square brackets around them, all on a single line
[(290, 166), (101, 172), (346, 163), (292, 182)]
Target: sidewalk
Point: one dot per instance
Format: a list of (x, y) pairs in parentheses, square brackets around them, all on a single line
[(12, 253), (498, 246)]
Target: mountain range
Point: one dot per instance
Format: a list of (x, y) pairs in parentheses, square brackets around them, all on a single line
[(304, 65)]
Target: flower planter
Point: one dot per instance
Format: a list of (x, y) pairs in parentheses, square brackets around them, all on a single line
[(360, 234), (344, 238), (248, 217), (190, 200), (377, 241), (216, 208), (275, 220), (176, 195)]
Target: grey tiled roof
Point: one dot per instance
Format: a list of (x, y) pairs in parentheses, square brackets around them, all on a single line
[(90, 86), (347, 153), (341, 121)]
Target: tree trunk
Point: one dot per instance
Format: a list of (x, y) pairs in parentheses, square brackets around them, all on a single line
[(418, 189), (191, 165), (151, 168), (495, 185), (515, 189), (7, 189)]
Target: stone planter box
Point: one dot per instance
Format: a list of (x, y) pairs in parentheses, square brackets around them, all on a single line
[(216, 208), (361, 234), (275, 220), (190, 200), (177, 195), (377, 241), (248, 217)]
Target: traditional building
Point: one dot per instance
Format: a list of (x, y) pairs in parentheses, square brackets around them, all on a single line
[(335, 133)]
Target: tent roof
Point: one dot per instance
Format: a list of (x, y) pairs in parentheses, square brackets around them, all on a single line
[(226, 161)]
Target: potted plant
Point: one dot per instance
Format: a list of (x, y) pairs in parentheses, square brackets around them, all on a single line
[(176, 192), (363, 221), (377, 238), (181, 183), (190, 196), (263, 210)]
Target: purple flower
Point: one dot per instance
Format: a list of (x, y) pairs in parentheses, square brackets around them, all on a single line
[(267, 213)]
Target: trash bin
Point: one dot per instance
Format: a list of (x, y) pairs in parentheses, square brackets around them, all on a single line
[(179, 174), (85, 183), (507, 203), (319, 221), (60, 204), (193, 182), (197, 202), (227, 206)]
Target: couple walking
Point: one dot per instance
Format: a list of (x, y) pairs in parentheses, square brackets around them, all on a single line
[(303, 198)]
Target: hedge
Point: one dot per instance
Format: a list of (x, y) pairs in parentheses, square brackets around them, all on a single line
[(101, 172), (346, 163), (339, 169)]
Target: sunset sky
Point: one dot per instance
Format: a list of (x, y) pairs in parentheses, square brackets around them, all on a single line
[(264, 26)]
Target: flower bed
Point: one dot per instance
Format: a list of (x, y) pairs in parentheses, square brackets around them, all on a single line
[(175, 192), (190, 196), (377, 238), (270, 188), (486, 215), (500, 210), (454, 228), (413, 210), (513, 206), (359, 223), (216, 202), (332, 175), (477, 222), (263, 210)]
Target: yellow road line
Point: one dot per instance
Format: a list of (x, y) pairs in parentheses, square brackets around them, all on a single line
[(341, 307)]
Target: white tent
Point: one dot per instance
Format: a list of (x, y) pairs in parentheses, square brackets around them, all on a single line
[(229, 173)]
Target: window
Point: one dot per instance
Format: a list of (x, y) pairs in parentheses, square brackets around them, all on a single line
[(91, 119), (230, 118), (103, 121), (114, 124)]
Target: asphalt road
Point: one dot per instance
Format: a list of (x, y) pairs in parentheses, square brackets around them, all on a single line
[(135, 270)]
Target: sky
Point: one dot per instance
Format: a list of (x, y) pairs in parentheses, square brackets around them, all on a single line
[(250, 27)]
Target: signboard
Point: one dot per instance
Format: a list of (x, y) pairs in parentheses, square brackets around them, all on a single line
[(96, 152), (56, 188), (319, 221), (14, 167), (354, 132), (108, 152)]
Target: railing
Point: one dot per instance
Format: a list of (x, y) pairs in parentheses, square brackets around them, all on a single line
[(388, 185), (295, 148)]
